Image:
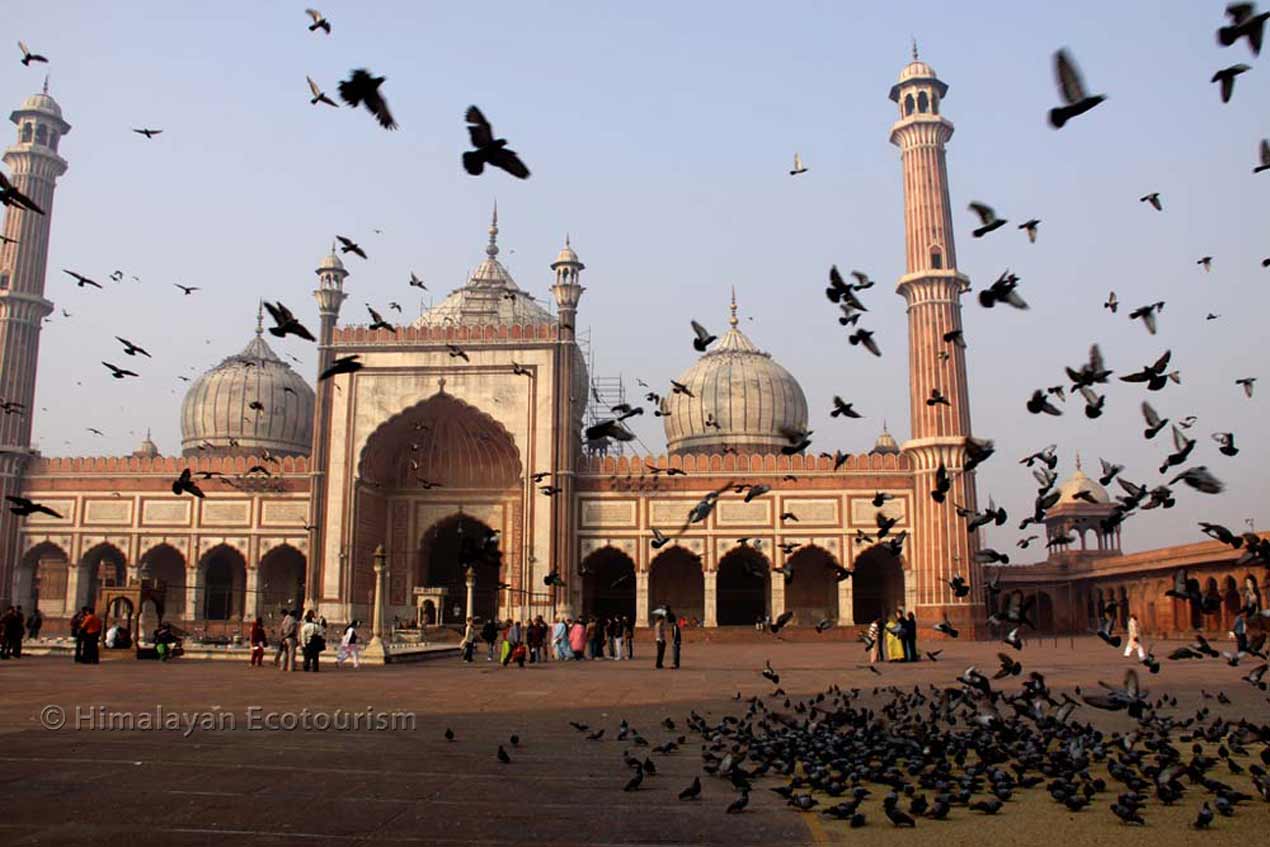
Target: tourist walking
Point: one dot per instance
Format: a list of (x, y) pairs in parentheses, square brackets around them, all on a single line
[(874, 638), (90, 634), (659, 635), (676, 639), (1134, 641), (312, 641), (537, 633), (1240, 631), (350, 646), (469, 640), (34, 624), (259, 641), (628, 637), (288, 639), (489, 634)]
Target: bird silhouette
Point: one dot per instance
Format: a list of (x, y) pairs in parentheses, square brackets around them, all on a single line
[(1226, 77), (798, 166), (318, 95), (988, 220), (342, 365), (1071, 88), (28, 57), (286, 323), (489, 150), (361, 88), (319, 22)]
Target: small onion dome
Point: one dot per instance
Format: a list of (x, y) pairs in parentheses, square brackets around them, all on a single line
[(741, 399), (330, 262), (885, 445), (566, 256), (147, 449), (1077, 483), (41, 103), (251, 402)]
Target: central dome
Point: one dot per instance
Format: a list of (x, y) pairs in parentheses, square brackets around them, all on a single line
[(741, 399)]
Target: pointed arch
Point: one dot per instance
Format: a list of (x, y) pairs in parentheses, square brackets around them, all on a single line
[(676, 580), (743, 587), (223, 572), (101, 565), (812, 593), (166, 567), (40, 580), (280, 581), (447, 549), (877, 584), (608, 583)]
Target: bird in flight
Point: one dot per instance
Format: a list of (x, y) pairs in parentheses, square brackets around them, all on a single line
[(286, 323), (81, 281), (865, 337), (1072, 89), (987, 218), (1207, 262), (1244, 23), (415, 282), (132, 349), (349, 246), (23, 507), (1226, 76), (798, 166), (489, 150), (1265, 153), (1112, 303), (703, 337), (363, 89), (342, 365), (1147, 314), (1246, 382), (378, 321), (185, 483), (187, 290), (28, 57), (1030, 226), (319, 22), (10, 196), (119, 373), (148, 133), (319, 96), (1154, 199)]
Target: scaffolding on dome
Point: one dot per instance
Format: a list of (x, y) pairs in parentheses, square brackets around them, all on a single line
[(603, 393)]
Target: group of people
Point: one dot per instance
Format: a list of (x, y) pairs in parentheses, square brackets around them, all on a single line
[(894, 640), (12, 623), (587, 637), (307, 637)]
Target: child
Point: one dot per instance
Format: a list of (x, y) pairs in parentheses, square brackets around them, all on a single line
[(258, 643)]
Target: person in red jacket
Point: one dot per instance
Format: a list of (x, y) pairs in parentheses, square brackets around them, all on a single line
[(258, 643), (90, 635)]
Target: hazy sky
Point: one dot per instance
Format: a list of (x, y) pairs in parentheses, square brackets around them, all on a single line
[(659, 135)]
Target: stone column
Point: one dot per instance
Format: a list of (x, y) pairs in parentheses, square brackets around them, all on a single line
[(191, 593), (711, 598), (469, 579), (376, 653), (251, 596), (776, 584), (72, 589), (641, 598)]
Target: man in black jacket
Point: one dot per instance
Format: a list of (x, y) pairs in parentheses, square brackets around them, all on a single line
[(489, 634)]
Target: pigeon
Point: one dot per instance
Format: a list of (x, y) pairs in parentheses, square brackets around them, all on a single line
[(798, 440), (1205, 816), (1072, 89), (1109, 472), (737, 806), (119, 373), (148, 133), (692, 792), (798, 166), (946, 628), (862, 281), (1094, 402), (937, 398), (1227, 442), (609, 428), (1154, 374), (184, 483), (377, 321), (319, 96), (841, 293), (864, 337), (502, 755), (81, 281), (703, 338), (635, 781), (1093, 372), (1246, 382), (187, 290), (1226, 76), (286, 323), (132, 349), (1154, 199), (1244, 23), (319, 22), (449, 734), (1147, 314), (22, 507), (843, 408), (1040, 403), (1206, 262), (1200, 479), (1002, 291), (342, 365), (28, 57), (457, 352), (347, 245), (1155, 423), (415, 282), (1030, 226), (489, 150), (1112, 303), (942, 485), (363, 89), (987, 218), (1265, 153)]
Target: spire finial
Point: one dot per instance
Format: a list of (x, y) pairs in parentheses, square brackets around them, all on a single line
[(1078, 467), (46, 83), (566, 240), (914, 48), (260, 319), (884, 425), (491, 249), (732, 321)]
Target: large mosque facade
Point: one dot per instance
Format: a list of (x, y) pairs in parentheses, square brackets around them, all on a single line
[(469, 421)]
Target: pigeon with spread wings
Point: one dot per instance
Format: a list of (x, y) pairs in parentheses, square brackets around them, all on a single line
[(489, 150)]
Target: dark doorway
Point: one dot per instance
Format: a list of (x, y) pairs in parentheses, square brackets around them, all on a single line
[(878, 586), (608, 584), (812, 593), (742, 587), (224, 579), (449, 547), (675, 580)]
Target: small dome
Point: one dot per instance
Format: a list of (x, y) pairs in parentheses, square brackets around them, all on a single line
[(1077, 483), (916, 69), (330, 263), (566, 255), (217, 413), (741, 399), (885, 445), (41, 103), (147, 449)]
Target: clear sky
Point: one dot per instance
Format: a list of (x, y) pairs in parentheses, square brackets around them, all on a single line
[(659, 135)]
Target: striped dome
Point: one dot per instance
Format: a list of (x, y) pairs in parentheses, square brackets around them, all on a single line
[(217, 418), (735, 385)]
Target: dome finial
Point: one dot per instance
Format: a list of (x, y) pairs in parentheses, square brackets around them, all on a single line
[(732, 321), (260, 319), (914, 48), (46, 83), (1078, 467), (491, 249)]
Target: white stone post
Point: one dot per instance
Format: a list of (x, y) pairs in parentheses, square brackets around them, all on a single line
[(191, 593), (375, 652), (641, 598), (776, 582), (469, 579), (846, 588), (711, 598), (251, 599)]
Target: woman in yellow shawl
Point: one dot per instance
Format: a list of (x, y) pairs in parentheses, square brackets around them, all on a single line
[(894, 645)]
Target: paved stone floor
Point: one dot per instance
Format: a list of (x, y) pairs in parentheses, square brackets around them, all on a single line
[(410, 786)]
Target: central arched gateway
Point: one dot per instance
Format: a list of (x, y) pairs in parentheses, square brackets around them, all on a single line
[(878, 588), (812, 593), (608, 584), (676, 581), (743, 587), (449, 547)]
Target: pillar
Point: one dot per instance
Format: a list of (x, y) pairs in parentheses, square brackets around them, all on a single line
[(191, 592), (641, 598), (376, 652), (710, 579), (846, 588), (71, 604), (566, 420), (776, 604), (469, 580), (251, 596)]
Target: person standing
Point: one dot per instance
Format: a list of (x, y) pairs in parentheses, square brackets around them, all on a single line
[(1240, 630), (874, 637), (489, 634), (676, 639), (259, 642), (34, 624), (90, 634), (619, 638), (560, 638), (469, 640), (614, 632), (628, 637), (894, 646), (6, 627), (76, 621), (288, 639), (911, 633), (15, 637), (534, 638), (349, 646), (577, 640), (590, 638), (1134, 641), (312, 641), (659, 635)]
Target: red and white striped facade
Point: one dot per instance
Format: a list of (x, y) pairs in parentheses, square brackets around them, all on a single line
[(932, 288)]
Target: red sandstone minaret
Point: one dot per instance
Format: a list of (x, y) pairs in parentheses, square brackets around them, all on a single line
[(34, 166), (567, 290), (932, 288)]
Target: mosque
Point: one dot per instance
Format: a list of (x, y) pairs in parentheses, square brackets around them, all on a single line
[(469, 420)]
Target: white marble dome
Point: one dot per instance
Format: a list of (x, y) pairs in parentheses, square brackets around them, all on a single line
[(1078, 482), (217, 415), (750, 397)]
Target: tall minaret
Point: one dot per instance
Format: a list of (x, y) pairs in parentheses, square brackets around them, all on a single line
[(34, 166), (568, 291), (932, 288), (330, 296)]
